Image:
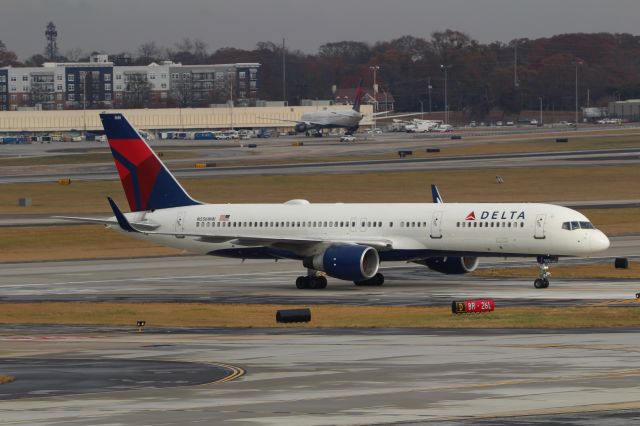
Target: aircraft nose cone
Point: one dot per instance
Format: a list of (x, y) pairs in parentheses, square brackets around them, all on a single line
[(599, 242)]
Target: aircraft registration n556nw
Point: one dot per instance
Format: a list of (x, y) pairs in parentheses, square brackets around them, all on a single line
[(344, 241)]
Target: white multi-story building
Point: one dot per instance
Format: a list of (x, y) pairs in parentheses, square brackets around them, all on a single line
[(101, 84)]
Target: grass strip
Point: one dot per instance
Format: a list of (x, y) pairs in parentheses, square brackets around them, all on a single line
[(6, 379), (41, 243), (584, 183), (595, 271), (322, 316)]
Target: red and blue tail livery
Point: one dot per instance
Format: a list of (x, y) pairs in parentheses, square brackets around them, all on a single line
[(357, 100), (147, 183)]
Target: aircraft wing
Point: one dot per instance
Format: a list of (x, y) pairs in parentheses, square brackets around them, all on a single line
[(301, 244), (143, 226), (394, 116), (308, 123)]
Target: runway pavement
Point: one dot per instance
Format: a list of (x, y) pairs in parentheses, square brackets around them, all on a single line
[(340, 377), (546, 159), (213, 279)]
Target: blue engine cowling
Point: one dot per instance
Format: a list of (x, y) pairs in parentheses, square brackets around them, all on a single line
[(346, 262), (301, 127), (451, 264)]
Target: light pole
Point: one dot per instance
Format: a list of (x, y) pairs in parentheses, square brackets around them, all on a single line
[(429, 87), (374, 68), (446, 102), (540, 122), (421, 110), (576, 64)]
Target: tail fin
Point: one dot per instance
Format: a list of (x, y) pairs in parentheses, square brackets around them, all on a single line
[(147, 183), (358, 98), (435, 194)]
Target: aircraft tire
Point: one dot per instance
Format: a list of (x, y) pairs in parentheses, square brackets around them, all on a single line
[(540, 283), (302, 283)]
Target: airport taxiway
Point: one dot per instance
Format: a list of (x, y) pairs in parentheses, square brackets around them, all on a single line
[(222, 280), (320, 377), (546, 159)]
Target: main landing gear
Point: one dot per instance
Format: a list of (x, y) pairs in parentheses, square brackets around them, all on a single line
[(376, 280), (543, 277), (312, 281)]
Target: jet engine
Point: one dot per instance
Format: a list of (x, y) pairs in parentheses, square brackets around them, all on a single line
[(346, 262), (451, 265), (301, 127)]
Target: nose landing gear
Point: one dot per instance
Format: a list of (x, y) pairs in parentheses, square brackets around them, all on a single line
[(543, 277)]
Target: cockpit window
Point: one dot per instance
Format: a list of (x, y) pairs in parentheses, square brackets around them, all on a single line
[(577, 225)]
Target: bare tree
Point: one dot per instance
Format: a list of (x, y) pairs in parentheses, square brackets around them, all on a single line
[(138, 91), (182, 93)]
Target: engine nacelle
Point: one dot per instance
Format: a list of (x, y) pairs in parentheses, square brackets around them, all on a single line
[(346, 262), (452, 265), (301, 127)]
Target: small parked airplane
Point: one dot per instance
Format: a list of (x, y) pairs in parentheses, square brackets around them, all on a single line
[(345, 241)]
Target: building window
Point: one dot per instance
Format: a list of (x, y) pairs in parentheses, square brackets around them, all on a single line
[(118, 76), (71, 96), (25, 78), (242, 75), (3, 79), (59, 77), (107, 77), (107, 96), (163, 85), (59, 96), (152, 76), (118, 87), (14, 98), (163, 76), (185, 76), (70, 77), (107, 87), (71, 87), (13, 89), (13, 78)]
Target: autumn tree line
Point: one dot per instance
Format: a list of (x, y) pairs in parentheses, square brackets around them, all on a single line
[(510, 77)]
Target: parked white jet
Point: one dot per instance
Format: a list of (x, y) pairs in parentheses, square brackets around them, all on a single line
[(345, 241), (348, 119)]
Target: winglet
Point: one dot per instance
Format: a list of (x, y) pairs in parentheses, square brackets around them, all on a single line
[(122, 220), (435, 194)]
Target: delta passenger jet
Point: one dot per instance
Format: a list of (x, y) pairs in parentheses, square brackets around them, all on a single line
[(343, 241)]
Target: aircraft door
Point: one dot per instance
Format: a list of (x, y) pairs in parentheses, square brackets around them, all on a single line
[(436, 225), (179, 224), (539, 231)]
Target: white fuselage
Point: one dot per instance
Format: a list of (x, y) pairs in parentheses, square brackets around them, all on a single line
[(347, 118), (413, 230)]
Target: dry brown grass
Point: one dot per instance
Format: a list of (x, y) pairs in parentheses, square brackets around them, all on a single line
[(323, 316), (95, 156), (598, 270), (72, 242), (521, 184), (6, 379)]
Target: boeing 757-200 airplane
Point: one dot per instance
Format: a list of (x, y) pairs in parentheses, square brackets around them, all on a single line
[(345, 241)]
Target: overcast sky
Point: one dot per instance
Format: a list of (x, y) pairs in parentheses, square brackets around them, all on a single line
[(122, 25)]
